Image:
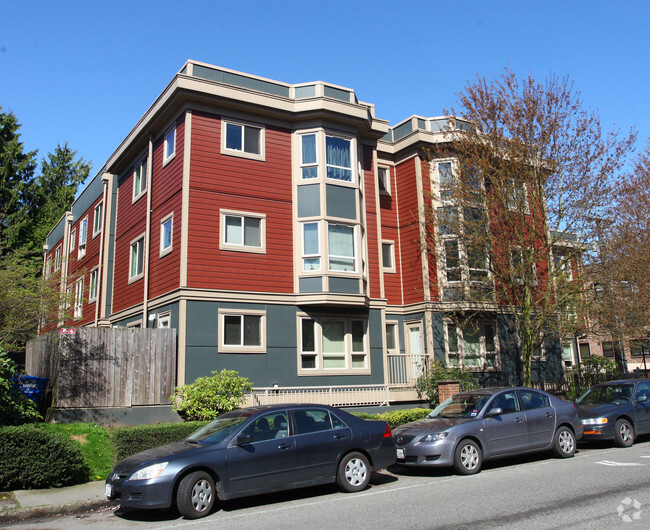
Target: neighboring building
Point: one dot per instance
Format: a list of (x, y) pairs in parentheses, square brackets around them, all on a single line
[(279, 228)]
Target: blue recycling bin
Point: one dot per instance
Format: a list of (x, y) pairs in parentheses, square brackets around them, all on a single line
[(31, 387)]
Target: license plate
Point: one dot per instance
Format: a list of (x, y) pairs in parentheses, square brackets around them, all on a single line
[(400, 453), (109, 490)]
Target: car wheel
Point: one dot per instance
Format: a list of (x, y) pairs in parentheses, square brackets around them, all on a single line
[(564, 443), (353, 473), (196, 494), (623, 433), (467, 458)]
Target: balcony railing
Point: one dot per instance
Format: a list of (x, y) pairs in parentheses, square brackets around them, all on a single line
[(405, 369)]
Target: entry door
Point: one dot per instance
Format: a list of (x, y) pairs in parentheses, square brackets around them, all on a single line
[(415, 348), (507, 432)]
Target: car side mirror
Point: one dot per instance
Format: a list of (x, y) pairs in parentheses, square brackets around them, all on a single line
[(244, 439), (496, 411), (642, 398)]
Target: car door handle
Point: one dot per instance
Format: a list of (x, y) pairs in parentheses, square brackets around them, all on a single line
[(519, 420), (285, 446), (339, 436), (549, 415)]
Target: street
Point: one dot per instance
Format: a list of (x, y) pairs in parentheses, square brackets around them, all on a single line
[(601, 487)]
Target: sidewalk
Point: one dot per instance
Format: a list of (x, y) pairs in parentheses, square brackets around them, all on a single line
[(23, 505)]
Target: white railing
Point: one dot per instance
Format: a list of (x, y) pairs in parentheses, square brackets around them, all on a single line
[(337, 396), (405, 369)]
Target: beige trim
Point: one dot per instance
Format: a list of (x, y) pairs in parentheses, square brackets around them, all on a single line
[(168, 250), (223, 212), (392, 268), (140, 275), (107, 179), (243, 154), (182, 342), (146, 247), (185, 207)]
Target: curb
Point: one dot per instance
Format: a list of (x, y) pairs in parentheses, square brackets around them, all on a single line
[(26, 514)]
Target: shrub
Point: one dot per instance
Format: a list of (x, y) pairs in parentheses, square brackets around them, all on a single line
[(32, 457), (130, 440), (395, 418), (592, 370), (208, 397), (15, 408), (427, 385)]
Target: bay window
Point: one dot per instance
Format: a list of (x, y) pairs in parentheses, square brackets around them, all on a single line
[(341, 248), (339, 159)]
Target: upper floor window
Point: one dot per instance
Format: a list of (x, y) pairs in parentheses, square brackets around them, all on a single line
[(243, 139), (98, 218), (169, 148), (308, 157), (388, 255), (136, 263), (166, 226), (311, 247), (78, 298), (445, 180), (383, 180), (341, 247), (139, 179), (57, 258), (83, 237), (48, 267), (243, 231), (242, 331), (338, 158), (92, 287), (73, 240)]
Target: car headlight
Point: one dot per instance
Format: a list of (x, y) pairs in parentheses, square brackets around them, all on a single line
[(435, 437), (594, 421), (149, 472)]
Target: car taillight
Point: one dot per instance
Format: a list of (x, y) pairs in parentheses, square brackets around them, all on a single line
[(387, 432)]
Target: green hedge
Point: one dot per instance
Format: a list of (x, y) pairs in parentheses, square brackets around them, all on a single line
[(130, 440), (31, 457), (396, 417)]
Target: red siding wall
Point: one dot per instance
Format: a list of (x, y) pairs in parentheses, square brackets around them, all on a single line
[(227, 182), (372, 223), (390, 232)]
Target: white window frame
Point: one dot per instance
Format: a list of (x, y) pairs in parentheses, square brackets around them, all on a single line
[(135, 324), (78, 298), (483, 351), (391, 245), (312, 267), (242, 247), (83, 237), (73, 241), (170, 139), (139, 175), (164, 250), (349, 354), (98, 218), (93, 285), (355, 250), (242, 152), (353, 159), (394, 324), (512, 199), (164, 320), (134, 242), (48, 267), (308, 165), (384, 181), (57, 258), (241, 348)]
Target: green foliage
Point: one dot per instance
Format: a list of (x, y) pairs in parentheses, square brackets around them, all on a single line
[(32, 457), (95, 444), (208, 397), (15, 408), (395, 418), (591, 371), (427, 385), (130, 440)]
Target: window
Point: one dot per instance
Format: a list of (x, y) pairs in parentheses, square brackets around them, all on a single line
[(383, 180), (338, 158), (92, 287), (140, 179), (308, 157), (452, 261), (567, 353), (243, 231), (611, 350), (166, 226), (136, 265), (57, 259), (388, 255), (515, 193), (169, 148), (242, 332), (533, 400), (48, 267), (584, 350), (639, 348), (164, 321), (73, 241), (310, 247), (473, 345), (243, 140), (562, 264), (392, 337), (78, 298), (341, 245), (268, 427), (333, 345), (316, 420), (98, 219), (83, 237), (445, 181)]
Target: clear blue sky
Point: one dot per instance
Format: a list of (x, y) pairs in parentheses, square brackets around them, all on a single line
[(84, 72)]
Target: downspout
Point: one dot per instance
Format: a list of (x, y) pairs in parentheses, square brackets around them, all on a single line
[(147, 236)]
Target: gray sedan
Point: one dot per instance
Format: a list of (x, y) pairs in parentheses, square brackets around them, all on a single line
[(478, 425)]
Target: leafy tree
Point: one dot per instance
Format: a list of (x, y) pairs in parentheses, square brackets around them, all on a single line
[(16, 179), (15, 408), (532, 168)]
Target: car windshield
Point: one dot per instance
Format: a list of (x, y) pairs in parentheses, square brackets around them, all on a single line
[(218, 429), (601, 394), (460, 406)]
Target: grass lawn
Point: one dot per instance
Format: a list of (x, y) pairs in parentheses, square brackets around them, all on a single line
[(95, 442)]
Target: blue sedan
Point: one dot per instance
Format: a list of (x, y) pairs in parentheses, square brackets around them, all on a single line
[(251, 451), (617, 410)]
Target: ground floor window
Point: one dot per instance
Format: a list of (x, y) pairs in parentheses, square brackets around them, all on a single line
[(473, 345), (242, 332), (332, 344)]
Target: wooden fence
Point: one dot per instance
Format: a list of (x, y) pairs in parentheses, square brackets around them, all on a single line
[(105, 367)]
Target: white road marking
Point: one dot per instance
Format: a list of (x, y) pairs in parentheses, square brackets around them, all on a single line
[(619, 464)]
